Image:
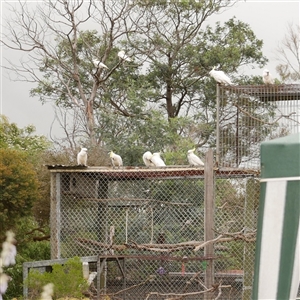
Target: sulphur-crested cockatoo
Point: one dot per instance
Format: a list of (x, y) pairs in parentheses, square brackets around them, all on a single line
[(82, 157), (157, 160), (193, 159), (147, 159), (123, 56), (116, 159), (267, 77), (220, 77), (99, 64)]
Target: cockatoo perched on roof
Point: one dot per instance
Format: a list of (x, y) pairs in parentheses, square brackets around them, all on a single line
[(82, 157), (193, 159), (220, 77), (157, 160), (116, 159), (99, 64), (267, 77), (147, 159), (123, 56)]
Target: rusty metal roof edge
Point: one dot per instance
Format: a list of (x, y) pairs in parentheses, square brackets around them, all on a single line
[(106, 169), (110, 171)]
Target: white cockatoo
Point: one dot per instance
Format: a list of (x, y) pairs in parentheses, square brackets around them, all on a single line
[(220, 77), (123, 56), (157, 160), (99, 64), (267, 77), (193, 159), (82, 157), (116, 159), (147, 159)]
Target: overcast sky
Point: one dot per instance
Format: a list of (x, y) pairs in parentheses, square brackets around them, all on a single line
[(268, 19)]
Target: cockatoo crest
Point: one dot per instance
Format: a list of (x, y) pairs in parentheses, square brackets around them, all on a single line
[(99, 64), (147, 159), (82, 157), (220, 77), (193, 159), (267, 77), (116, 159), (123, 56), (157, 160)]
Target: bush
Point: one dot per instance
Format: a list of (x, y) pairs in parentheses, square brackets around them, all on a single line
[(67, 279), (18, 188)]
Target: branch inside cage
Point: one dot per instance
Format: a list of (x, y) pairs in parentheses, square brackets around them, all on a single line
[(261, 120), (178, 296), (168, 248)]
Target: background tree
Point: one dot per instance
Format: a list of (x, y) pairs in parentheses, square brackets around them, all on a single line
[(61, 54), (289, 55), (171, 51), (19, 187), (31, 148), (24, 139)]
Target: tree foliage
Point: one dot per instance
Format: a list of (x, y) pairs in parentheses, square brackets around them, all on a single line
[(24, 139), (160, 97), (19, 187)]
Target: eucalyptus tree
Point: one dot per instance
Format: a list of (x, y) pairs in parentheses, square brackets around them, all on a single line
[(62, 50), (179, 48), (288, 55), (160, 96)]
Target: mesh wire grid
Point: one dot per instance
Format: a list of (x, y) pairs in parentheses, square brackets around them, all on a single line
[(145, 224), (249, 115)]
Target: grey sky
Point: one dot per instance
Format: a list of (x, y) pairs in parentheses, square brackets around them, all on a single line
[(268, 19)]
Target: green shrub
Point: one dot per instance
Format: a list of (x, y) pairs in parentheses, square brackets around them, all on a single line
[(67, 279)]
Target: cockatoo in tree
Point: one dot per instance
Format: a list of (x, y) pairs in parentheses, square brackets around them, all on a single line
[(220, 77), (116, 159), (157, 160), (147, 159), (267, 77), (193, 159), (82, 157), (99, 64), (123, 56)]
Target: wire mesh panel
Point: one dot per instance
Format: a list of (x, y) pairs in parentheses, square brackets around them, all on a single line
[(117, 210), (147, 228), (251, 114), (150, 227)]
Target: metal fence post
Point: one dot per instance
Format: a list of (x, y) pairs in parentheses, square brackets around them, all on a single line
[(251, 202), (209, 218), (218, 126), (102, 233), (55, 222)]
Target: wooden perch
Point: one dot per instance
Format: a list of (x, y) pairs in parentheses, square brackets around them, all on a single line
[(175, 296), (168, 248)]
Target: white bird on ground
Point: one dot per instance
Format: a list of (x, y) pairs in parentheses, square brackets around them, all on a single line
[(157, 160), (220, 77), (123, 56), (267, 77), (82, 157), (193, 159), (147, 159), (99, 64), (116, 159)]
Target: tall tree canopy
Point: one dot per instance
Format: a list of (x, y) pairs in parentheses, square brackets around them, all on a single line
[(161, 98)]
